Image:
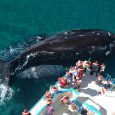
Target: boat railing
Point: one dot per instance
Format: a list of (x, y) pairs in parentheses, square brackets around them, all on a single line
[(108, 77)]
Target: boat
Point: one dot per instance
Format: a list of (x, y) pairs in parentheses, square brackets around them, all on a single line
[(91, 98)]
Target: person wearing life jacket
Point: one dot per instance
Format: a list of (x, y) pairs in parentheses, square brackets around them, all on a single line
[(99, 78), (69, 77), (73, 107), (63, 82), (79, 84), (48, 94), (73, 71), (86, 65), (80, 72), (95, 67), (49, 109), (65, 99), (53, 89), (25, 112), (79, 63), (102, 67), (103, 91)]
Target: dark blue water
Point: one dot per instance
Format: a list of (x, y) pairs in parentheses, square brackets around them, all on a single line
[(21, 19)]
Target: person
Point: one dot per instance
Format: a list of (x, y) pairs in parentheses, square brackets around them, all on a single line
[(80, 71), (48, 94), (72, 107), (77, 84), (48, 101), (69, 77), (84, 112), (26, 112), (79, 63), (53, 89), (107, 84), (73, 70), (89, 113), (102, 67), (95, 67), (65, 100), (86, 64), (49, 109), (100, 78), (62, 82)]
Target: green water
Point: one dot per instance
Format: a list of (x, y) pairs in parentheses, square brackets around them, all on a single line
[(23, 18), (20, 19)]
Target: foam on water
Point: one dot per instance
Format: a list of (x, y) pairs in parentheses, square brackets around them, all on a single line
[(5, 93), (17, 48)]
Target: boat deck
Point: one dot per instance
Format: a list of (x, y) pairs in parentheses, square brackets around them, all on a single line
[(89, 90)]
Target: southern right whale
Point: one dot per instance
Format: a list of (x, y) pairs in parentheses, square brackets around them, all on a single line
[(61, 48)]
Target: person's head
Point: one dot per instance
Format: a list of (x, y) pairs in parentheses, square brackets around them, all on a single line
[(88, 63), (79, 63), (97, 62), (54, 88), (25, 111), (103, 64), (73, 106), (83, 112), (67, 73), (48, 101), (67, 97)]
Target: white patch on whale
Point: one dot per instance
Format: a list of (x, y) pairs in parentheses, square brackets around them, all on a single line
[(108, 52), (65, 37), (32, 55), (93, 32), (109, 33), (81, 35), (98, 34), (38, 38), (77, 53), (65, 33), (110, 48)]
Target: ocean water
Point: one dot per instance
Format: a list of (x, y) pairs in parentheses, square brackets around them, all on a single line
[(22, 19)]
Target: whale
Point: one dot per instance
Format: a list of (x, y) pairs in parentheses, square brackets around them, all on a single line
[(59, 49)]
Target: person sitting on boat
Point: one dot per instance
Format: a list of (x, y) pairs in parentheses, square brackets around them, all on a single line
[(72, 107), (49, 109), (77, 84), (48, 101), (79, 63), (107, 84), (69, 77), (84, 112), (95, 68), (48, 94), (102, 67), (80, 72), (63, 82), (86, 65), (89, 113), (99, 79), (65, 100), (26, 112), (53, 89), (73, 70)]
